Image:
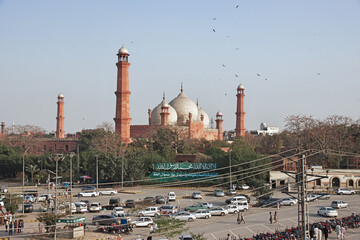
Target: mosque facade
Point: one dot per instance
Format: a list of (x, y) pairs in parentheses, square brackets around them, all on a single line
[(181, 113)]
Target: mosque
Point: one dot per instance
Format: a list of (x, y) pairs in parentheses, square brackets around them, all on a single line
[(181, 113)]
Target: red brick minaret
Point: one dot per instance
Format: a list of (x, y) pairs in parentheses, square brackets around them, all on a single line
[(122, 116), (164, 113), (60, 117), (219, 122), (2, 133), (240, 114)]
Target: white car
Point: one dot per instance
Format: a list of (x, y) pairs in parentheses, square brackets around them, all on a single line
[(95, 207), (142, 222), (219, 193), (218, 211), (149, 212), (339, 204), (345, 191), (202, 213), (245, 187), (232, 208), (196, 195), (45, 196), (208, 205), (311, 197), (236, 199), (288, 201), (327, 212), (89, 194), (122, 215), (29, 198), (231, 192), (184, 216), (117, 210), (172, 196), (81, 207), (108, 191)]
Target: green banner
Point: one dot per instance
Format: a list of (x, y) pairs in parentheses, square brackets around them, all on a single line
[(185, 166), (171, 176), (70, 220)]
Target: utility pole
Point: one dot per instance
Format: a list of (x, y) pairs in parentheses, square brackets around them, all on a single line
[(230, 169), (97, 172), (23, 182), (303, 213), (71, 155), (57, 158)]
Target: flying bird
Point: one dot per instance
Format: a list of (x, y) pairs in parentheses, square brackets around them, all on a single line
[(265, 79), (318, 74), (214, 30), (223, 65), (227, 36), (258, 75), (225, 94), (237, 6), (214, 18), (236, 48), (236, 75)]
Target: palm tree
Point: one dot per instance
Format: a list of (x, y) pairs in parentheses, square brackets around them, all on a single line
[(32, 169)]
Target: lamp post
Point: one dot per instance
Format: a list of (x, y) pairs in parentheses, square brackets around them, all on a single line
[(230, 168), (23, 182), (57, 158), (71, 155), (97, 172), (122, 168)]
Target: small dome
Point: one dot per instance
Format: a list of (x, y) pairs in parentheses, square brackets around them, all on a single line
[(240, 87), (60, 95), (156, 117), (183, 106), (206, 121), (219, 113), (123, 50)]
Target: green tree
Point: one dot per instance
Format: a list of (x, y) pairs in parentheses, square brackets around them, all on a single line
[(11, 203), (198, 236), (32, 169), (170, 227)]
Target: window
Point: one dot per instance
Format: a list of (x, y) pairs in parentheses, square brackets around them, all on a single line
[(282, 182), (318, 182), (351, 183)]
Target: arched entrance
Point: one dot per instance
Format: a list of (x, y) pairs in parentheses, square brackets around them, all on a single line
[(351, 183), (335, 182)]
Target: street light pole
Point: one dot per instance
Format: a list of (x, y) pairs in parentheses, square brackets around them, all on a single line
[(122, 171), (57, 158), (230, 168), (71, 155), (23, 182), (97, 172)]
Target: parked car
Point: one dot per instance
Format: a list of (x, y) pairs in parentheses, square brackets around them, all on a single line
[(28, 208), (168, 209), (142, 222), (95, 207), (311, 197), (130, 203), (323, 196), (272, 202), (149, 200), (339, 204), (232, 208), (67, 206), (196, 195), (246, 196), (236, 199), (81, 207), (172, 196), (206, 204), (288, 201), (87, 203), (86, 188), (88, 194), (108, 191), (218, 211), (122, 215), (118, 210), (114, 202), (195, 207), (3, 189), (345, 191), (230, 192), (245, 187), (105, 219), (149, 212), (328, 212), (203, 213), (160, 199), (219, 193), (186, 237), (45, 197), (184, 216)]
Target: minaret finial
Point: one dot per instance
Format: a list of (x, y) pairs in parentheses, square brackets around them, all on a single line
[(197, 102), (181, 87), (164, 95)]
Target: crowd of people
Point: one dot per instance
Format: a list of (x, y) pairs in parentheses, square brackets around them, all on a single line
[(13, 225)]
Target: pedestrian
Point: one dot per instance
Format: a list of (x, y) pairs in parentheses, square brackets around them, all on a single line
[(15, 226), (40, 227), (342, 232), (316, 232), (151, 229), (275, 217), (270, 219), (228, 237), (312, 233), (337, 230), (320, 232), (6, 223), (242, 218), (326, 232), (21, 225), (155, 227), (10, 228)]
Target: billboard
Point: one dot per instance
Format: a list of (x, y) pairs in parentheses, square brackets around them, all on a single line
[(184, 166)]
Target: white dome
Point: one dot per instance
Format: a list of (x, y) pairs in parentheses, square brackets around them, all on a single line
[(183, 106), (240, 87), (206, 121), (60, 95), (219, 113), (156, 117), (123, 50)]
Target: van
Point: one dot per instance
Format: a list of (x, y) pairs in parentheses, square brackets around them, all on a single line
[(81, 207), (243, 205), (114, 202), (236, 199), (172, 196)]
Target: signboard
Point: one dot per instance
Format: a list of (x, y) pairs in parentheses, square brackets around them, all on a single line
[(171, 176), (70, 220), (185, 166)]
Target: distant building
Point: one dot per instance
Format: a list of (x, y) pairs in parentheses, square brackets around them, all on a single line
[(265, 130)]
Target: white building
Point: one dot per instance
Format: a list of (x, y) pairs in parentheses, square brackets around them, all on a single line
[(265, 130)]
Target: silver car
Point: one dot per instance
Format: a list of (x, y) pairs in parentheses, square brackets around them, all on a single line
[(218, 211), (219, 193), (203, 213), (184, 216)]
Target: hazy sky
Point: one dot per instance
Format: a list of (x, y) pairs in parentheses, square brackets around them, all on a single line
[(309, 52)]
